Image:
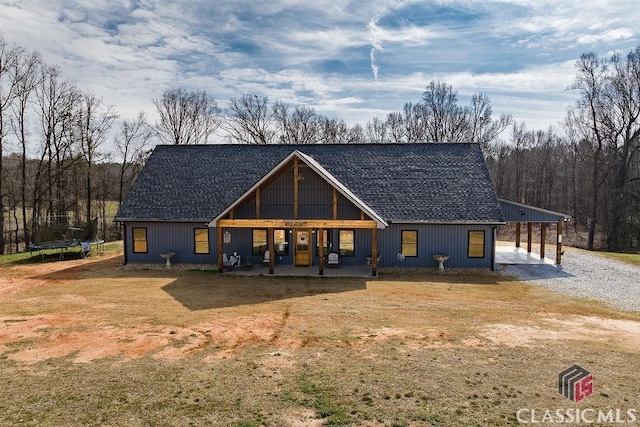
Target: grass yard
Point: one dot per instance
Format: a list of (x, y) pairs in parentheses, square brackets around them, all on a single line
[(624, 257), (88, 342)]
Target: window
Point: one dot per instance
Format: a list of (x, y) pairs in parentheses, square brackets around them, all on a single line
[(201, 240), (476, 244), (280, 244), (326, 239), (139, 240), (410, 243), (259, 242), (347, 243)]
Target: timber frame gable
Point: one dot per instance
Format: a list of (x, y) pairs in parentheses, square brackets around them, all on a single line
[(295, 163)]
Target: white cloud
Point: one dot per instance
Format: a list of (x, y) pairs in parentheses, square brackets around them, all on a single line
[(520, 53)]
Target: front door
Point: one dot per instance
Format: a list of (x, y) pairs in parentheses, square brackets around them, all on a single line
[(303, 247)]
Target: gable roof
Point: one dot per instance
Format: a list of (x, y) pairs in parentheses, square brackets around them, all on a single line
[(401, 183), (317, 168)]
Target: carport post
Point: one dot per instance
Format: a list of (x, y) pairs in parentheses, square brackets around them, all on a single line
[(517, 234), (559, 242), (543, 238), (529, 233)]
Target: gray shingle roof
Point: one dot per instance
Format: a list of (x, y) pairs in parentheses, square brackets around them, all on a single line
[(440, 183)]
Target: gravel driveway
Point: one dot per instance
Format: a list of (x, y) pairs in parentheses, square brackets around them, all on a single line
[(586, 275)]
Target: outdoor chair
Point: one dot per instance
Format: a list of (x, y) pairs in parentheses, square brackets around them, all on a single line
[(333, 260), (230, 263), (266, 258)]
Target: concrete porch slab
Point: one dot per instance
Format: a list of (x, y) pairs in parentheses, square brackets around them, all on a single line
[(513, 255)]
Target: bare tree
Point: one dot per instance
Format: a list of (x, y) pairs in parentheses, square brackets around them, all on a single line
[(27, 75), (8, 86), (377, 131), (132, 145), (250, 120), (622, 122), (481, 128), (57, 100), (333, 131), (186, 117), (299, 126), (413, 117), (396, 128), (444, 120), (93, 120), (586, 116), (355, 135)]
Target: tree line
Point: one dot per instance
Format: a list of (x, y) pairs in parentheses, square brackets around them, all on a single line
[(55, 168)]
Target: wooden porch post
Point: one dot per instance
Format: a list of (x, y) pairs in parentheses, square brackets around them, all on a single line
[(543, 238), (559, 242), (220, 249), (272, 254), (374, 252), (321, 251), (529, 234), (517, 234)]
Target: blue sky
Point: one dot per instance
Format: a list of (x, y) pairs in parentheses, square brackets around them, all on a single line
[(353, 60)]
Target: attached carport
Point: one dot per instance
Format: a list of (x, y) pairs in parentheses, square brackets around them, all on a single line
[(532, 216)]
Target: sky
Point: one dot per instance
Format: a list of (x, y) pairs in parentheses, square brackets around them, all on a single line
[(351, 60)]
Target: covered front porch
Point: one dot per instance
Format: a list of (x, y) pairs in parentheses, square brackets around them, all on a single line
[(306, 247), (303, 202)]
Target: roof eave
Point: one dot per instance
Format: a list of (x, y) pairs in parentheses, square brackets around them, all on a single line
[(440, 222), (120, 219), (566, 217)]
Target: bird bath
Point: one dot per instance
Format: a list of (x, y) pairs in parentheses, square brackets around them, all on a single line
[(441, 259), (167, 257)]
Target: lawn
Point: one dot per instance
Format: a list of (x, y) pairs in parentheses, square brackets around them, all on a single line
[(630, 258), (88, 342)]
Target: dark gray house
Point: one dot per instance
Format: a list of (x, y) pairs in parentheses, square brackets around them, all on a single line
[(377, 204)]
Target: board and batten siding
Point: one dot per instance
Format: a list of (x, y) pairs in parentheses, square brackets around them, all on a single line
[(175, 237), (435, 239), (315, 199)]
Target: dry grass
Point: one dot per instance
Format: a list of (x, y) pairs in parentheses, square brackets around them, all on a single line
[(86, 342)]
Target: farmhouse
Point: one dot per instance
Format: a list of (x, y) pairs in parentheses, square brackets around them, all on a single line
[(320, 205)]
